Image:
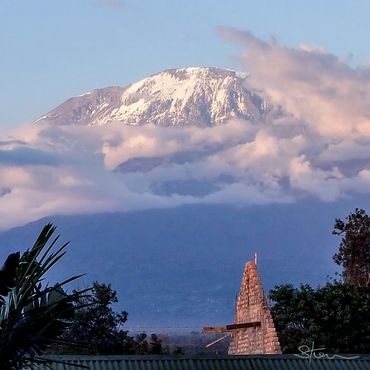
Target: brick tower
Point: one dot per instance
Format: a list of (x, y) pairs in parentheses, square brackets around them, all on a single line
[(252, 308)]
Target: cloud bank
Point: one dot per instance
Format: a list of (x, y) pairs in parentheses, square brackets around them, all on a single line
[(316, 143)]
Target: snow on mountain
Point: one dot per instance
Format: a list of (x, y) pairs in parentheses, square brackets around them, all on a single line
[(176, 97)]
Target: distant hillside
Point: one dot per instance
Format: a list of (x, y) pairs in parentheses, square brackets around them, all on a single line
[(182, 267)]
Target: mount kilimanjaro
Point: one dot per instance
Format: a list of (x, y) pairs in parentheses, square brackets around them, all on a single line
[(179, 266), (188, 96)]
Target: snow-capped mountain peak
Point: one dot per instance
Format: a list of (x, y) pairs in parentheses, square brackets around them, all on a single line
[(176, 97)]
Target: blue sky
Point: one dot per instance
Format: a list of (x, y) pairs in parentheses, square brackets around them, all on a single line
[(52, 50)]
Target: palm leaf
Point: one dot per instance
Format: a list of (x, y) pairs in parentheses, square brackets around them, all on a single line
[(32, 316)]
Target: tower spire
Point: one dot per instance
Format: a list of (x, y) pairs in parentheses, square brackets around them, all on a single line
[(253, 331)]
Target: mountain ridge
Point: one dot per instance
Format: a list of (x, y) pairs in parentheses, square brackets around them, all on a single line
[(200, 96)]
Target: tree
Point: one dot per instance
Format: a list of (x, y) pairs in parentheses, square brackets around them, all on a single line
[(354, 249), (335, 316), (342, 318), (292, 312), (32, 316), (98, 330)]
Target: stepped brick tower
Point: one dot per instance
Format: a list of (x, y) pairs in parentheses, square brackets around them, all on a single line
[(253, 331), (251, 307)]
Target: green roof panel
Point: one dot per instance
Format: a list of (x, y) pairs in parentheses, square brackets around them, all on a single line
[(253, 362)]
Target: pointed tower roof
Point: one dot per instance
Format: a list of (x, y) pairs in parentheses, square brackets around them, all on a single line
[(252, 307)]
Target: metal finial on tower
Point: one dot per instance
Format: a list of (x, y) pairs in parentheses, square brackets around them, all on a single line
[(255, 258)]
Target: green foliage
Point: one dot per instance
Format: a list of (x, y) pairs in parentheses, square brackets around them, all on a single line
[(354, 249), (292, 314), (335, 316), (98, 330), (32, 316), (343, 318), (155, 345)]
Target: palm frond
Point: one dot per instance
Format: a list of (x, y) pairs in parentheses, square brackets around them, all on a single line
[(33, 316)]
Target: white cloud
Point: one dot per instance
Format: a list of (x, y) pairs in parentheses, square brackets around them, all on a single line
[(319, 147), (312, 85)]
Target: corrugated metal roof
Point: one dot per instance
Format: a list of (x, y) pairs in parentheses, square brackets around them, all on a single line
[(255, 362)]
